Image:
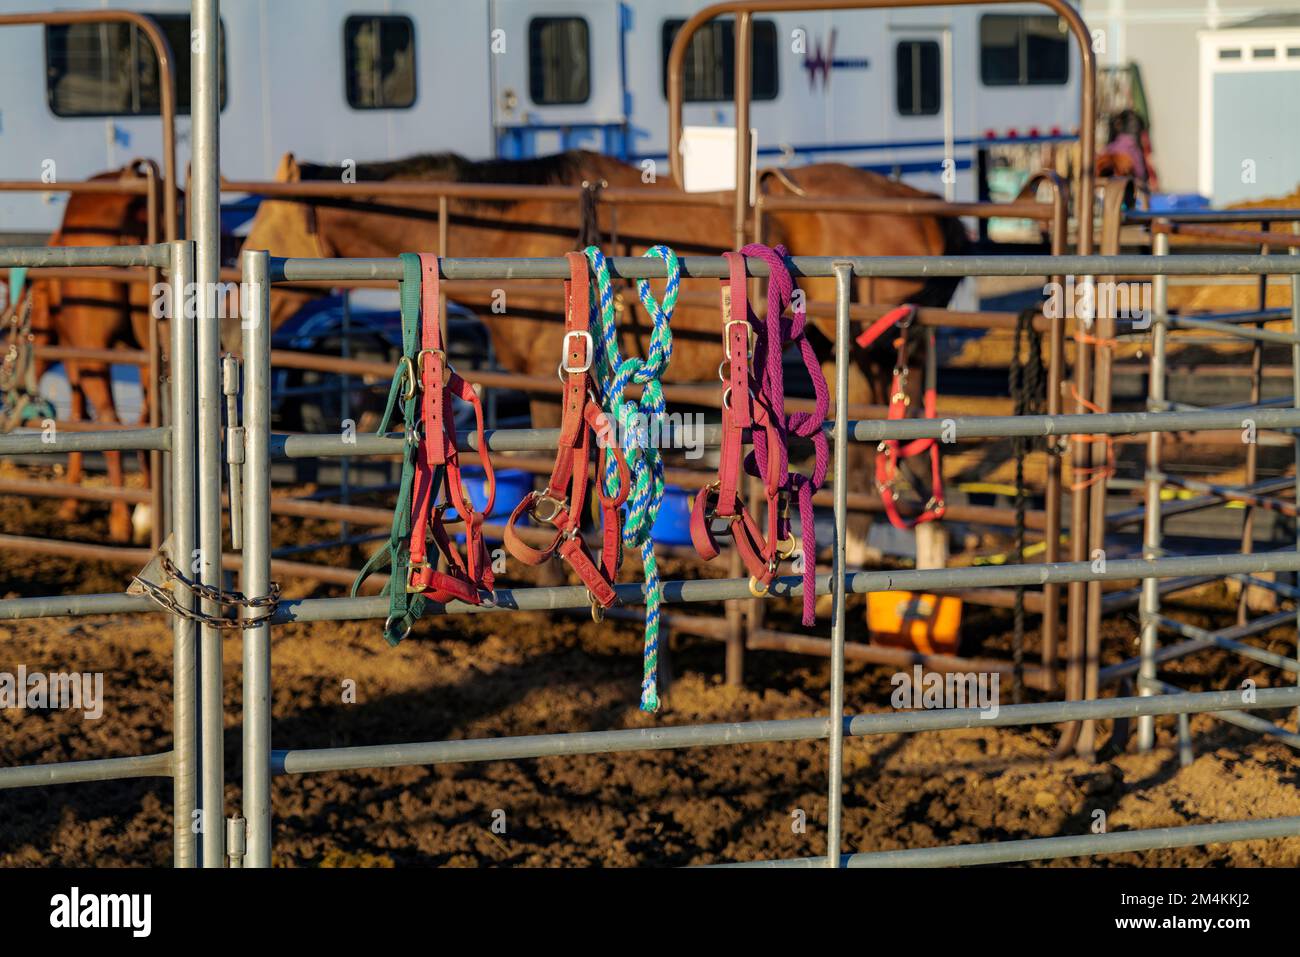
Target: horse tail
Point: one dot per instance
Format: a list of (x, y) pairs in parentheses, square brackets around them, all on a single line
[(939, 290)]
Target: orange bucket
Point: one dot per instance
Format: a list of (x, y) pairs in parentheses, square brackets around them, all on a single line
[(930, 624)]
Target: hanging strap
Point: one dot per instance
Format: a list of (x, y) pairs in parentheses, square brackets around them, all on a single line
[(891, 452), (404, 608), (437, 462), (635, 422), (770, 458), (741, 410), (562, 503)]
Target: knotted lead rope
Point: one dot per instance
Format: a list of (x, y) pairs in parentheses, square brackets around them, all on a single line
[(773, 335), (634, 419)]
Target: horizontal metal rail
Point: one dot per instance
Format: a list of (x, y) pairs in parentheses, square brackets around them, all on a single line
[(1231, 329), (1238, 718), (715, 267), (955, 429), (76, 772), (157, 254), (1215, 216), (568, 598), (300, 761), (110, 440), (1046, 848)]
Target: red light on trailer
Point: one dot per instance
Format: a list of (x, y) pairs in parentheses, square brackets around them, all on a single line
[(1011, 133), (1033, 132), (1056, 131), (990, 134)]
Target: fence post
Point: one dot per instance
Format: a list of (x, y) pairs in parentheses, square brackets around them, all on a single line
[(256, 325), (835, 804), (184, 515), (205, 216), (1149, 603)]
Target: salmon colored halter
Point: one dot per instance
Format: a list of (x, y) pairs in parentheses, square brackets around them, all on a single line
[(891, 451), (438, 383), (563, 503), (755, 399)]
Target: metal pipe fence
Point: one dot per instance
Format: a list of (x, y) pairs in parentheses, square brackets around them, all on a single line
[(261, 270), (194, 780)]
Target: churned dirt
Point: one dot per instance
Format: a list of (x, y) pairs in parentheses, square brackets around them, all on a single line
[(495, 674)]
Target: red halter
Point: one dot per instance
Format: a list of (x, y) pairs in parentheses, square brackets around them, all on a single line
[(465, 576), (563, 502), (742, 409), (890, 452)]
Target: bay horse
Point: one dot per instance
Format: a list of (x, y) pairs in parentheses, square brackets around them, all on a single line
[(96, 314), (526, 335)]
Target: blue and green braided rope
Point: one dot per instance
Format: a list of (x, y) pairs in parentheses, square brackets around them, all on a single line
[(634, 422)]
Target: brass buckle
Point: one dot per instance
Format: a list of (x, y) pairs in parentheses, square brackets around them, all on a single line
[(406, 370), (752, 338), (410, 576), (757, 590), (597, 612), (446, 366), (556, 507)]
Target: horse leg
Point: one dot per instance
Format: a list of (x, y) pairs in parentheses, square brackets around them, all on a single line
[(861, 465), (99, 394), (142, 515), (71, 507)]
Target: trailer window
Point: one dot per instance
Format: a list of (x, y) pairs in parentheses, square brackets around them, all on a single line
[(110, 69), (559, 60), (917, 81), (710, 67), (379, 67), (1024, 50)]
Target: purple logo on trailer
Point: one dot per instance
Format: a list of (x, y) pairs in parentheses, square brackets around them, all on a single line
[(820, 62)]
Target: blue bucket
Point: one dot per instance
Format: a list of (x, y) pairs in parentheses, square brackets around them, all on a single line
[(673, 523), (512, 486)]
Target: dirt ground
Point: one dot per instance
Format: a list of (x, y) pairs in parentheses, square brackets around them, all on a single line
[(493, 675)]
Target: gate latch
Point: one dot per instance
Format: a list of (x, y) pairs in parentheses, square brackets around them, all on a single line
[(234, 447)]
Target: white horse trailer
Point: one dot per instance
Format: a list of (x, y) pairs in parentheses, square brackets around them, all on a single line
[(1249, 140), (920, 93)]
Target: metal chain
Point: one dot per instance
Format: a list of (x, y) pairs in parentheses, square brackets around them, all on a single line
[(164, 598)]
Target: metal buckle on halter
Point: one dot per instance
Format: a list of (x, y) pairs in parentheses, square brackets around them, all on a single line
[(556, 507), (406, 370), (415, 567), (711, 514), (597, 610), (757, 590), (591, 351), (446, 366), (751, 339), (934, 505)]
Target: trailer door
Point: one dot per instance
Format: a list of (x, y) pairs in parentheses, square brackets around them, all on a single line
[(919, 109), (558, 77)]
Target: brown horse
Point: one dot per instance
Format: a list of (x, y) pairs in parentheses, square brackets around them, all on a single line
[(526, 337), (96, 314)]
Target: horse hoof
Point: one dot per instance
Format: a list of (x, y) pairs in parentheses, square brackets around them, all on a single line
[(141, 524)]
